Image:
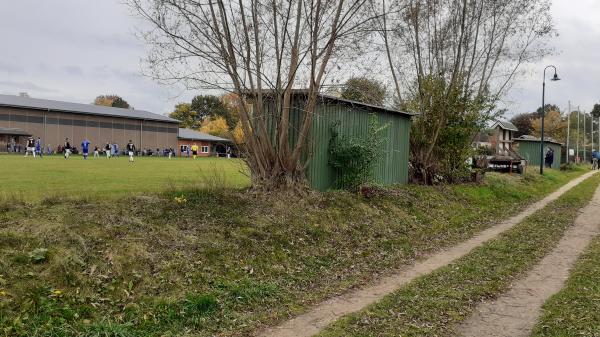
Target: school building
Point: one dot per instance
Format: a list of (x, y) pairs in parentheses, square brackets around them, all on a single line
[(53, 121)]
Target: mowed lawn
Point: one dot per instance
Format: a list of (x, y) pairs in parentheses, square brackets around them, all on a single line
[(54, 176)]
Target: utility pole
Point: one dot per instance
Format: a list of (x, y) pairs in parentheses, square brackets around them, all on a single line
[(568, 131), (578, 136), (584, 137)]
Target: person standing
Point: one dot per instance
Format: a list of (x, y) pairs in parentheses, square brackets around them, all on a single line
[(194, 150), (130, 150), (115, 150), (107, 148), (85, 148), (30, 147), (38, 147), (549, 159), (67, 148), (96, 152)]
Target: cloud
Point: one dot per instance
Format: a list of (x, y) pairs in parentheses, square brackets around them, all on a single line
[(11, 68), (72, 70), (25, 86)]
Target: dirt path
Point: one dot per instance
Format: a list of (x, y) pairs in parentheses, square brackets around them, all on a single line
[(317, 318), (515, 313)]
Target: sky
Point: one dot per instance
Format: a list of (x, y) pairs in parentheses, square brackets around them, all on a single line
[(75, 50)]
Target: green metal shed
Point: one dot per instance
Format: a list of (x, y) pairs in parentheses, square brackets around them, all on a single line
[(353, 120), (529, 148)]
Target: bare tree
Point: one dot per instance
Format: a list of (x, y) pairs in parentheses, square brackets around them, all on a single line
[(262, 50), (468, 50)]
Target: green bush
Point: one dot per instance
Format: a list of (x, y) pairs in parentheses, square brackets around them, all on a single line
[(354, 157)]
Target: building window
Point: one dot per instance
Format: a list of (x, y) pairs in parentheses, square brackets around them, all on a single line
[(204, 149)]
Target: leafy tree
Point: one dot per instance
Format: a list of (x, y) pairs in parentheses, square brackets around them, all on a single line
[(231, 102), (523, 123), (189, 119), (112, 101), (211, 106), (238, 134), (554, 126), (549, 107), (455, 116), (596, 111), (365, 90), (455, 86), (216, 126), (119, 102)]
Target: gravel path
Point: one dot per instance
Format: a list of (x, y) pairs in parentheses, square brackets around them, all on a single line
[(515, 313), (317, 318)]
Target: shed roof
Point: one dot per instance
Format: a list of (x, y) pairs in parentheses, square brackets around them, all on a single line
[(505, 125), (14, 131), (327, 97), (197, 135), (90, 109), (527, 138)]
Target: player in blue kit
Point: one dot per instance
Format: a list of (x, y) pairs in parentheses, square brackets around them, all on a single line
[(85, 148)]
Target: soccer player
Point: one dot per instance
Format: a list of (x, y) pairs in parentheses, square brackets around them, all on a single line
[(30, 147), (194, 150), (67, 148), (38, 147), (96, 152), (107, 150), (85, 148), (130, 150), (115, 151)]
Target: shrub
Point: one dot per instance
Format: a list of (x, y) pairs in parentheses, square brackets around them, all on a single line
[(354, 157)]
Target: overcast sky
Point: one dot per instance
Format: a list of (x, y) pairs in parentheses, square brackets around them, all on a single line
[(74, 50)]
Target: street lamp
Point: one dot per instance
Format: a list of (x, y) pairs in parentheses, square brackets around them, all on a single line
[(554, 78)]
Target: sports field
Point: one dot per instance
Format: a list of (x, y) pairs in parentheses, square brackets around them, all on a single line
[(53, 176)]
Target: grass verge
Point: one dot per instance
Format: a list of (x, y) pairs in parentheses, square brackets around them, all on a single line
[(575, 310), (207, 262), (433, 304)]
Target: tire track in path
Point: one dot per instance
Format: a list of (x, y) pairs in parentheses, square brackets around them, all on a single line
[(317, 318), (515, 313)]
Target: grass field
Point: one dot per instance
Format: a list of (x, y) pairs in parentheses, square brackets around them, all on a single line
[(28, 178), (198, 262)]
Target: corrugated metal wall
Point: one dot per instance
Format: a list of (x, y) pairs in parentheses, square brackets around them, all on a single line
[(392, 166), (530, 150), (53, 127)]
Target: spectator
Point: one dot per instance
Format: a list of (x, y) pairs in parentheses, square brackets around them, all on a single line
[(549, 159)]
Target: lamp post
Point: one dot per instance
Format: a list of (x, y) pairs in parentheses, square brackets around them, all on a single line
[(554, 78)]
